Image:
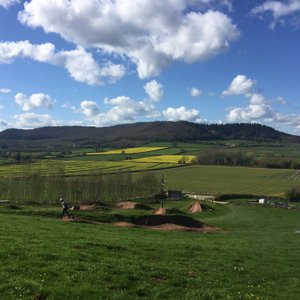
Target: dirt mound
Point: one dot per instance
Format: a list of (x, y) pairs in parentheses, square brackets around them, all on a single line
[(84, 207), (160, 211), (195, 208), (126, 205), (88, 207), (154, 220)]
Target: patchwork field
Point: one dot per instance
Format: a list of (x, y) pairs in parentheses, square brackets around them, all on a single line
[(78, 167)]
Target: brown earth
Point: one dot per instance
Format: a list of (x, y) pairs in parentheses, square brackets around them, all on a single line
[(160, 211), (126, 205), (195, 208)]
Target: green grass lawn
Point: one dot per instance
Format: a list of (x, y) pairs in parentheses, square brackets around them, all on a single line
[(233, 180), (255, 257)]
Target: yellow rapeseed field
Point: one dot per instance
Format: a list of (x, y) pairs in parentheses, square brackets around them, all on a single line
[(128, 150), (172, 159)]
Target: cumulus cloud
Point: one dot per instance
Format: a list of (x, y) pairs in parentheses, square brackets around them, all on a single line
[(89, 108), (240, 85), (195, 92), (251, 113), (278, 9), (79, 63), (34, 101), (124, 110), (8, 3), (5, 91), (259, 108), (32, 120), (154, 90), (151, 33), (182, 114)]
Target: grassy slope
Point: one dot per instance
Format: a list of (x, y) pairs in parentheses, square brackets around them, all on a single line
[(257, 257)]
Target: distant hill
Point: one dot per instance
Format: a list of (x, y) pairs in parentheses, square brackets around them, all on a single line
[(130, 134)]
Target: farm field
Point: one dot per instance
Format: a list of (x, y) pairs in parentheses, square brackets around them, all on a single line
[(194, 178), (77, 167), (231, 180), (44, 258), (128, 151), (173, 159)]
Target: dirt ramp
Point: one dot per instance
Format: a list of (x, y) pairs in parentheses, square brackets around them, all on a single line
[(132, 205), (86, 206), (126, 205), (160, 211), (195, 208)]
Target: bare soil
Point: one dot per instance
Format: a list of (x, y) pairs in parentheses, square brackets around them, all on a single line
[(195, 208), (160, 211), (126, 205)]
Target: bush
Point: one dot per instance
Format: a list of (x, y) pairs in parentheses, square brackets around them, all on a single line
[(293, 194)]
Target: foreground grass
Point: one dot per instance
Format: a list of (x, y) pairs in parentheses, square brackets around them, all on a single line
[(256, 257)]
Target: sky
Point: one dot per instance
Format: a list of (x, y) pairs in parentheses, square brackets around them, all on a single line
[(107, 62)]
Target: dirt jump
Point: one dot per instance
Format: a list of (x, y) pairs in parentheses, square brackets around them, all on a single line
[(132, 205), (126, 205), (160, 211), (195, 208), (168, 223)]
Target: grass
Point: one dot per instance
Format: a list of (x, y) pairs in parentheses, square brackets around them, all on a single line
[(254, 258), (231, 180)]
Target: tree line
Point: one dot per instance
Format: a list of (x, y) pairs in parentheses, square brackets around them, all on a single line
[(95, 187), (237, 158)]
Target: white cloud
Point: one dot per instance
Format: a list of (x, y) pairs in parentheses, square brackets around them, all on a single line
[(279, 9), (79, 63), (251, 113), (32, 120), (1, 107), (35, 101), (154, 90), (182, 114), (195, 92), (151, 33), (240, 85), (5, 91), (89, 108), (257, 99), (124, 110), (8, 3)]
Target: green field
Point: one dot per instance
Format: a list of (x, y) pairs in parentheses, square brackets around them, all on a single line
[(256, 256), (231, 180)]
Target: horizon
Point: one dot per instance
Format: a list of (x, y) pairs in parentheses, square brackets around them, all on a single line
[(122, 62)]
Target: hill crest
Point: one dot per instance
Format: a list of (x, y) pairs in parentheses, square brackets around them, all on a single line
[(180, 131)]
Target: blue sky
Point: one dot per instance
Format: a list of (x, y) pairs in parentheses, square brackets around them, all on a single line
[(106, 62)]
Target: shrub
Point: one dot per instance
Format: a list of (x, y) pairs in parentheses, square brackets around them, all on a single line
[(293, 194)]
